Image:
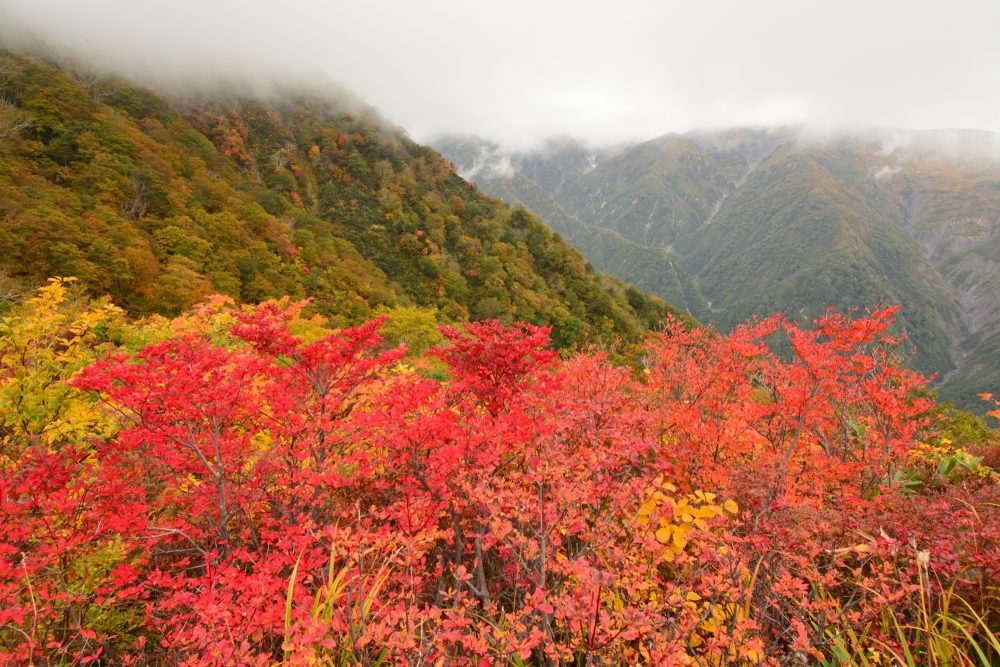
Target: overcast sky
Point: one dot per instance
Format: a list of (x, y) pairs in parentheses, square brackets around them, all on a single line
[(517, 71)]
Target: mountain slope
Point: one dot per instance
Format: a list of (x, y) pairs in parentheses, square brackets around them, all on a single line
[(835, 249), (651, 269), (159, 201), (654, 192), (953, 209), (760, 221)]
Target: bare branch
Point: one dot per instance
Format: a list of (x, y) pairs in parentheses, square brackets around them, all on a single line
[(13, 119)]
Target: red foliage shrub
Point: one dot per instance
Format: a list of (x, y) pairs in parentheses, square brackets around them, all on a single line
[(269, 498)]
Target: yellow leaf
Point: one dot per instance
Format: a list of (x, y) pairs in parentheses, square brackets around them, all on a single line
[(731, 506), (707, 512)]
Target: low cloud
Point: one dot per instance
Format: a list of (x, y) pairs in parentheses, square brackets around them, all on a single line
[(520, 71), (886, 171)]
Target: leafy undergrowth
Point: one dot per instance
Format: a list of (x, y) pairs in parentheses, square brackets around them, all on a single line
[(242, 486)]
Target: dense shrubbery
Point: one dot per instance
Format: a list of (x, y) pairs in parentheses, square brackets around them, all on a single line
[(240, 485)]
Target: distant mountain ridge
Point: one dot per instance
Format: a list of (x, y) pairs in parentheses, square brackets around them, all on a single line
[(740, 222)]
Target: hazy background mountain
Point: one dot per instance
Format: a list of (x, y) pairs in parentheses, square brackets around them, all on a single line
[(532, 184), (734, 223)]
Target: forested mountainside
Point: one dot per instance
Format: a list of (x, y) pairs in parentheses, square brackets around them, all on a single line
[(160, 201), (731, 224)]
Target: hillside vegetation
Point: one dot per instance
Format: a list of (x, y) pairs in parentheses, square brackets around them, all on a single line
[(158, 202)]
